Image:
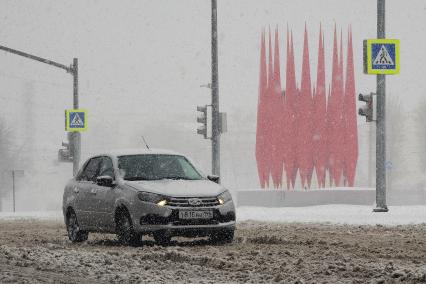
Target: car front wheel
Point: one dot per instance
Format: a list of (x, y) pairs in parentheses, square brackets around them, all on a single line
[(125, 232), (75, 235)]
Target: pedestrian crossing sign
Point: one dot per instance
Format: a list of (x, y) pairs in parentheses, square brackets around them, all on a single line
[(381, 56), (76, 120)]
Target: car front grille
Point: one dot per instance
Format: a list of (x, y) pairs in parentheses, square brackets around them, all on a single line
[(186, 201)]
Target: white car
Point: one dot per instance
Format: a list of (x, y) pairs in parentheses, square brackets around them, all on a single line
[(138, 192)]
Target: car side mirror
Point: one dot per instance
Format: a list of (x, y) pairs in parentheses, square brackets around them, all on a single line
[(104, 181), (214, 178)]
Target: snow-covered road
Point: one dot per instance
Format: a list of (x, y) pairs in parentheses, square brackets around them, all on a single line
[(38, 251)]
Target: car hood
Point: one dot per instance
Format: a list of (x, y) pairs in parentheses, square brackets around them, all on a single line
[(195, 188)]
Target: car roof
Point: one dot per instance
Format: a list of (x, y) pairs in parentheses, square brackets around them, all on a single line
[(124, 152)]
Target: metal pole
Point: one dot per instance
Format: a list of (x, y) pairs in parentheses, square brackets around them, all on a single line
[(370, 154), (73, 69), (13, 188), (76, 135), (381, 122), (37, 58), (215, 96)]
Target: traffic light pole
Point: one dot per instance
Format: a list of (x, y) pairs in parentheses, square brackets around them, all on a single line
[(76, 134), (381, 122), (73, 69), (215, 96)]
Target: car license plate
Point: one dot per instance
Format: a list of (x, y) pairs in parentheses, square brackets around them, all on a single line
[(195, 214)]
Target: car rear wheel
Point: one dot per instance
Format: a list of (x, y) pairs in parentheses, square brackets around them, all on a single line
[(75, 235), (223, 236), (162, 239), (125, 232)]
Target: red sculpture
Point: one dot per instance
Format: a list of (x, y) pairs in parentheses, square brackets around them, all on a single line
[(304, 130), (320, 155), (261, 134), (351, 134)]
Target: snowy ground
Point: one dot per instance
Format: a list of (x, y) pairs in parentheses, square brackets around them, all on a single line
[(317, 244), (333, 214), (38, 251)]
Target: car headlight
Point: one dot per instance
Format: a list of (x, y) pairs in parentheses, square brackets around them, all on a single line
[(224, 197), (152, 198)]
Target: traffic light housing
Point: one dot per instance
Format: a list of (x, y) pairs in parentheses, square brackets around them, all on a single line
[(66, 154), (202, 118), (368, 109)]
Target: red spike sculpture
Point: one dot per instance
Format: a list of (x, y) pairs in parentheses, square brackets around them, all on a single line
[(282, 117), (291, 119), (276, 133), (332, 114), (269, 112), (320, 118), (351, 131), (305, 130), (261, 117), (329, 133), (304, 142), (340, 127)]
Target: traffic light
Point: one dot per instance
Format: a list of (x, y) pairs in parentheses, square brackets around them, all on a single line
[(368, 109), (203, 120), (67, 154)]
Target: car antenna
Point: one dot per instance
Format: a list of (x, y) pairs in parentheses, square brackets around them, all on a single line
[(146, 144)]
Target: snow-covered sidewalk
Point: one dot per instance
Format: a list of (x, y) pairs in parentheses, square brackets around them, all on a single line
[(37, 215), (333, 214)]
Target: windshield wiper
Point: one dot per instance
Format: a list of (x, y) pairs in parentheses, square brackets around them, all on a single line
[(159, 178), (135, 178), (176, 177)]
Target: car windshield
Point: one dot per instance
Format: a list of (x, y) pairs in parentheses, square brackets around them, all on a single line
[(156, 167)]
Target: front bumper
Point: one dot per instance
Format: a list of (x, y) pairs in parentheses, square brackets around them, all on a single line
[(188, 230), (151, 218)]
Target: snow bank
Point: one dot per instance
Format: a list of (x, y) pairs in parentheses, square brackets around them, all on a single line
[(38, 215), (335, 214), (326, 196)]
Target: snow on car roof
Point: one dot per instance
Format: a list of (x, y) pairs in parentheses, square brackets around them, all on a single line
[(122, 152)]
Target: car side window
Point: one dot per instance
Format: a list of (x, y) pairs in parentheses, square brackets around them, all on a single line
[(107, 168), (91, 170), (80, 173)]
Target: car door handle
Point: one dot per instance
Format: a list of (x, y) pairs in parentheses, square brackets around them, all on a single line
[(76, 190)]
